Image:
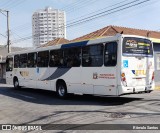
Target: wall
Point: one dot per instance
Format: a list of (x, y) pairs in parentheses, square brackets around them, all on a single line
[(2, 70), (156, 47)]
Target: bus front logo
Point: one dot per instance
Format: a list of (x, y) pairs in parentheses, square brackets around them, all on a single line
[(95, 76)]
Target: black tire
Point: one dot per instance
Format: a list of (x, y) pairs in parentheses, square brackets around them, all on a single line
[(61, 90), (16, 84)]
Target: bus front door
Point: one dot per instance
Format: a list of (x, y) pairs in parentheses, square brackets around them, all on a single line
[(9, 70)]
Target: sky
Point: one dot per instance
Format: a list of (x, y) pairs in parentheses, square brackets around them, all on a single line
[(141, 16)]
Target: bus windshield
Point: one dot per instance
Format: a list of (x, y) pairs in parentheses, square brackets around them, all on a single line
[(137, 47)]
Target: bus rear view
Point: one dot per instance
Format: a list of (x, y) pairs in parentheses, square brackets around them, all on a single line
[(137, 66)]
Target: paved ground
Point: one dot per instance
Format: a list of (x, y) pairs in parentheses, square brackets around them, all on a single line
[(29, 106), (157, 85)]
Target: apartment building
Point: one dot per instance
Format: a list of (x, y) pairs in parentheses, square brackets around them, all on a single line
[(47, 25)]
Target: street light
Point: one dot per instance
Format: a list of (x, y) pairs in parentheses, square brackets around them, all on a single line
[(8, 34)]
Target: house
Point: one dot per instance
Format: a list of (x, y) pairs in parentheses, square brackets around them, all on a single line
[(55, 42)]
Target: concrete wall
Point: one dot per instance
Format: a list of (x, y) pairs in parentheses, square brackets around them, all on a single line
[(2, 71), (156, 47)]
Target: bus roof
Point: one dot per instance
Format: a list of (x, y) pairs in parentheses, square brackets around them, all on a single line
[(77, 44)]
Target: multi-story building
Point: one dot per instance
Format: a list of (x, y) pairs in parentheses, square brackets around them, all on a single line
[(47, 25)]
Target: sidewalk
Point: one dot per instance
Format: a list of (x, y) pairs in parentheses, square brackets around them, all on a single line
[(157, 85)]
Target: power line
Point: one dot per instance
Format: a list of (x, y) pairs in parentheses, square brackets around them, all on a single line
[(82, 5), (73, 4), (26, 27), (104, 13), (84, 21), (22, 27), (15, 4), (2, 13), (68, 7), (3, 35), (7, 3), (69, 11), (115, 20), (99, 10), (12, 3)]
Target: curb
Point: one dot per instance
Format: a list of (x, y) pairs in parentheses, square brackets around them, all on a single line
[(157, 88)]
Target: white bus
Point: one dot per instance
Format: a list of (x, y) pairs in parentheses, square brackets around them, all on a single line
[(117, 65)]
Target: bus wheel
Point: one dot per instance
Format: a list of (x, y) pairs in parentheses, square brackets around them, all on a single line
[(16, 84), (61, 90)]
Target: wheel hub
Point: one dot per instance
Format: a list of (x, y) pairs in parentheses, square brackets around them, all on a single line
[(61, 91)]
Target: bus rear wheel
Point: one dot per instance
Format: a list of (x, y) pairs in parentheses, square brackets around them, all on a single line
[(61, 90), (16, 84)]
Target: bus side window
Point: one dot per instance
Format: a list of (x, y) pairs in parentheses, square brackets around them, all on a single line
[(110, 54), (9, 64), (43, 59), (72, 57), (56, 58), (32, 60), (16, 61), (23, 60), (92, 56)]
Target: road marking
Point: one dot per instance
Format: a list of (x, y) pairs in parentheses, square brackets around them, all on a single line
[(24, 96)]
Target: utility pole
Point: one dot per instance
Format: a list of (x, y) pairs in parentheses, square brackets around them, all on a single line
[(8, 34), (8, 31)]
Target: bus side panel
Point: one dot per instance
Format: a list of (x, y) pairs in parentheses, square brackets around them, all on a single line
[(9, 77), (26, 77), (52, 82), (87, 84), (73, 80), (99, 80), (42, 75), (104, 81), (20, 73), (31, 79)]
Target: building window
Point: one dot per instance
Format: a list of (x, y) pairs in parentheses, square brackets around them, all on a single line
[(158, 61)]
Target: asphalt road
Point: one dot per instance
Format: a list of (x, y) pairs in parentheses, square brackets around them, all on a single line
[(32, 106)]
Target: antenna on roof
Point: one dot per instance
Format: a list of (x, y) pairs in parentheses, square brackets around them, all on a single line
[(121, 32), (148, 33)]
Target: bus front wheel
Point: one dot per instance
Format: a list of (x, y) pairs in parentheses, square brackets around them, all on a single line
[(16, 83), (61, 90)]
